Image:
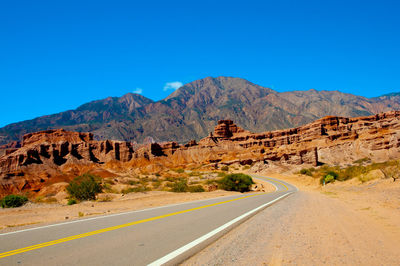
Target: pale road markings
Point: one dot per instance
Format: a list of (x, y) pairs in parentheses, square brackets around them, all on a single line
[(107, 216), (203, 238), (170, 255), (167, 258), (66, 239)]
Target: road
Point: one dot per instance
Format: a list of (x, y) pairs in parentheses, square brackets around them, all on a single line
[(163, 235)]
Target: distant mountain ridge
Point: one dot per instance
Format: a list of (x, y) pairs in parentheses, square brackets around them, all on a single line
[(191, 111)]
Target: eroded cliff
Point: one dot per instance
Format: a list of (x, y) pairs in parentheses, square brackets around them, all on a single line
[(53, 156)]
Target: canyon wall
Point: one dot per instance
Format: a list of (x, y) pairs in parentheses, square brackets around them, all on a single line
[(51, 156)]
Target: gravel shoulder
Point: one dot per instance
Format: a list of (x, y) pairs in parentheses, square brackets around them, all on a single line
[(312, 227)]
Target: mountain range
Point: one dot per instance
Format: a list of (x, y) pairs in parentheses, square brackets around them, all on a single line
[(191, 111)]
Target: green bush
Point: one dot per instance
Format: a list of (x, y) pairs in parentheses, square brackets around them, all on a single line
[(333, 174), (197, 188), (13, 201), (330, 177), (306, 171), (179, 186), (84, 187), (236, 182), (72, 202)]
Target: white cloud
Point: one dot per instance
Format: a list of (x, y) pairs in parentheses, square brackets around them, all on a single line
[(172, 85), (138, 91)]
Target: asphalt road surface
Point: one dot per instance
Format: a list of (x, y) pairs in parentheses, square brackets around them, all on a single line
[(163, 235)]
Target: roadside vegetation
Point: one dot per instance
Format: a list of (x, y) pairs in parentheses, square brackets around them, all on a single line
[(236, 182), (13, 201), (364, 170), (179, 180), (84, 187)]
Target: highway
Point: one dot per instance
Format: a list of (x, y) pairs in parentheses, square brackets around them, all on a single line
[(163, 235)]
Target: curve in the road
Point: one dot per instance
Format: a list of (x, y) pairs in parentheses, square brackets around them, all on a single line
[(174, 254)]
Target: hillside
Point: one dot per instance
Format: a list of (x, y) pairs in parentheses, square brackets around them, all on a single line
[(191, 111)]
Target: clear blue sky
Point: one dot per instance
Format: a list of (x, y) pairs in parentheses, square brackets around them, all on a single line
[(57, 55)]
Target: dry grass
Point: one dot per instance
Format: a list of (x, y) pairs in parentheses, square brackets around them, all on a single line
[(361, 170)]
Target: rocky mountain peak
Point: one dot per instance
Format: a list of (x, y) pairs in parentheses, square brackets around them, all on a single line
[(191, 111)]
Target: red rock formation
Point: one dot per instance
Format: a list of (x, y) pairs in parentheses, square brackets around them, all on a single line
[(226, 129), (52, 155), (9, 148)]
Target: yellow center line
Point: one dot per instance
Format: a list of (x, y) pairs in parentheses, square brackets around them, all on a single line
[(272, 180), (66, 239)]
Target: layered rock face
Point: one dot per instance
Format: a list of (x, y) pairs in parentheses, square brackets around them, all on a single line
[(57, 155), (43, 154)]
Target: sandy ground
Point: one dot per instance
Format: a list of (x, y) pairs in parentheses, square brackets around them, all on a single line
[(35, 214), (341, 224)]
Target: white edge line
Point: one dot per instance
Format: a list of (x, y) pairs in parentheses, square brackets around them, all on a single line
[(116, 214), (197, 241), (111, 215)]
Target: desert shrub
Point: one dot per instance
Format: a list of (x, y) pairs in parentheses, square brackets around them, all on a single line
[(225, 168), (330, 177), (196, 188), (236, 182), (351, 172), (72, 202), (179, 185), (246, 167), (84, 187), (307, 171), (333, 174), (13, 201), (157, 183)]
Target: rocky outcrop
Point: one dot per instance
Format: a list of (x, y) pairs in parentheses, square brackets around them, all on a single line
[(57, 155), (226, 129), (9, 148)]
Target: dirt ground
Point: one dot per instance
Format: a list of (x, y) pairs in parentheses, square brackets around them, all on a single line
[(346, 223), (35, 214)]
